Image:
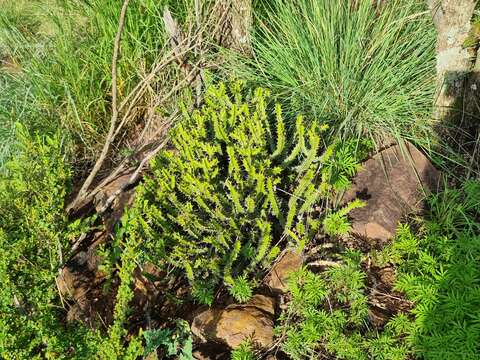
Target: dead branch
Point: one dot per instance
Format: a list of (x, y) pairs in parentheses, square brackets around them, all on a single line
[(134, 178), (113, 121), (193, 41)]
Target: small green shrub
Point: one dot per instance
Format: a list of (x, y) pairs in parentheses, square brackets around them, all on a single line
[(328, 315), (244, 352), (234, 182), (439, 270), (34, 240)]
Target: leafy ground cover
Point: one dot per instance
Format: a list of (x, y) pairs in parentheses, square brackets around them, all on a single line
[(438, 269), (35, 235)]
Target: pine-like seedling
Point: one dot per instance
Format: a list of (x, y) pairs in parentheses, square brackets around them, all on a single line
[(234, 181)]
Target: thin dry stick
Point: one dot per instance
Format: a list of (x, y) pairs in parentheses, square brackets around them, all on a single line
[(139, 90), (187, 44), (132, 178), (324, 263), (113, 122), (92, 193)]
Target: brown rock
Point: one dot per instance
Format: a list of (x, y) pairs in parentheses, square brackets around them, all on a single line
[(393, 183), (288, 262), (232, 325), (261, 302), (211, 351)]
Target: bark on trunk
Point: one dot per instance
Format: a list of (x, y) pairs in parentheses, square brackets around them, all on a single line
[(454, 62), (241, 22)]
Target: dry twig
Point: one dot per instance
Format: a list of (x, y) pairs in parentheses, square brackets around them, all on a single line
[(113, 121), (193, 41)]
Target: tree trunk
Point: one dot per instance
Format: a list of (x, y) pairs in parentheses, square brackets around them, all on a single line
[(241, 23), (454, 62)]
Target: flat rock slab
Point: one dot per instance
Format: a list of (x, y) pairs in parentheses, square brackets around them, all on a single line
[(236, 323), (393, 183)]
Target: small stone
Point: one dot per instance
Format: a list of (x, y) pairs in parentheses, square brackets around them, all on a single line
[(393, 184), (288, 262), (232, 325)]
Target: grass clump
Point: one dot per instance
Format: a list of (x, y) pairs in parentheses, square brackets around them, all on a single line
[(439, 270), (361, 69), (328, 315), (234, 182), (63, 52)]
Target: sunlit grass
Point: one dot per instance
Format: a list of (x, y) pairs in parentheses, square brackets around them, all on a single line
[(64, 50), (362, 71)]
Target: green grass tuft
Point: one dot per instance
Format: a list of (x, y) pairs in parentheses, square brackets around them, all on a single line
[(63, 50), (345, 64)]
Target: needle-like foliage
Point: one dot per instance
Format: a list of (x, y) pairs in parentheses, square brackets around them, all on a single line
[(439, 270), (233, 184), (328, 315)]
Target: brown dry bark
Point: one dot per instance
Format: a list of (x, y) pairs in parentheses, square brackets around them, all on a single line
[(452, 19), (241, 22)]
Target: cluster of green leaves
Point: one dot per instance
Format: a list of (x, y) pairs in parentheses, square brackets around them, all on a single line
[(336, 223), (244, 351), (233, 183), (343, 162), (34, 238), (328, 313), (177, 342), (439, 270), (364, 70)]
